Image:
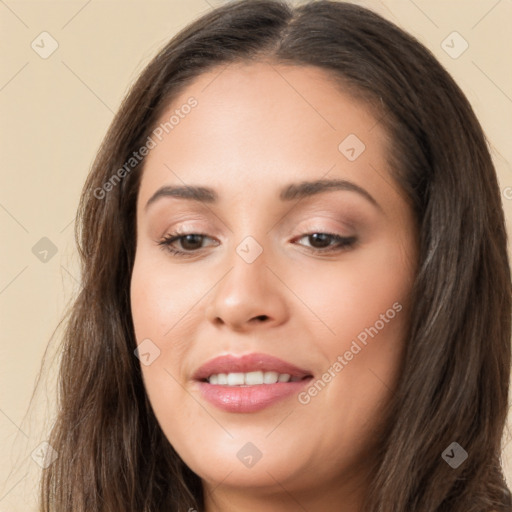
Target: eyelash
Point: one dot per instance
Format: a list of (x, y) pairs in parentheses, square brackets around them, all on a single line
[(344, 243)]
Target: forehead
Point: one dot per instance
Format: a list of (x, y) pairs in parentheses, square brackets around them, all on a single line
[(254, 124)]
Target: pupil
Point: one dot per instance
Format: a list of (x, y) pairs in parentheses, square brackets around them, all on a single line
[(191, 238), (322, 237)]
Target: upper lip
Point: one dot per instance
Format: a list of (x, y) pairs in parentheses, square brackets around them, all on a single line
[(248, 363)]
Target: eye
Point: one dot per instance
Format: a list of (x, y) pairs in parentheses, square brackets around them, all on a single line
[(328, 242), (190, 243)]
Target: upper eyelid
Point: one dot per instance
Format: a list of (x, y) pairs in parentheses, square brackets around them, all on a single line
[(182, 232), (343, 224)]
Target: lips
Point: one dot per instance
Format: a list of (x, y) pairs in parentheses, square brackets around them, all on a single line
[(245, 398), (248, 363)]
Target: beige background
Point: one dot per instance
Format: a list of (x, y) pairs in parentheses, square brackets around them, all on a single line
[(54, 113)]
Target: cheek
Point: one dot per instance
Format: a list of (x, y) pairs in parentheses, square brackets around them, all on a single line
[(162, 311), (162, 301), (363, 305), (351, 295)]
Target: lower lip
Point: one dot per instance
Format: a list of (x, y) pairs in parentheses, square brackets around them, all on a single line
[(249, 398)]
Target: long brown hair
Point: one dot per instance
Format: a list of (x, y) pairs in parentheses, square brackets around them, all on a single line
[(114, 457)]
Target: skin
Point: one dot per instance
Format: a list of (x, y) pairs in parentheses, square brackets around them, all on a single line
[(258, 127)]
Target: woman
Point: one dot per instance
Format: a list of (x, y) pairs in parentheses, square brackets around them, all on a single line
[(296, 290)]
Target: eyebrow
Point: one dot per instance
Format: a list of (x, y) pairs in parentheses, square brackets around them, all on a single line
[(290, 192)]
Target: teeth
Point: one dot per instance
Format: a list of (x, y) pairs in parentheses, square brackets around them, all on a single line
[(236, 379), (270, 377), (250, 378)]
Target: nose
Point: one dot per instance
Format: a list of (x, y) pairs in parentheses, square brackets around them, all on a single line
[(249, 296)]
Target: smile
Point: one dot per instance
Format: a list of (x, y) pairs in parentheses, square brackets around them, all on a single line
[(251, 378)]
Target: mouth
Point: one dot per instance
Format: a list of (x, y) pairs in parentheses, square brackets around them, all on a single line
[(253, 378), (249, 370), (249, 383)]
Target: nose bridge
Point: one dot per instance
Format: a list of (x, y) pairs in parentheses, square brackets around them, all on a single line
[(248, 293)]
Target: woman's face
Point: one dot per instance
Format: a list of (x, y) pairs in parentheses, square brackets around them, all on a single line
[(310, 281)]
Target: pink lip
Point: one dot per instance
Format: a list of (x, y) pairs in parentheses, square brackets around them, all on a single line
[(243, 399), (248, 363)]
